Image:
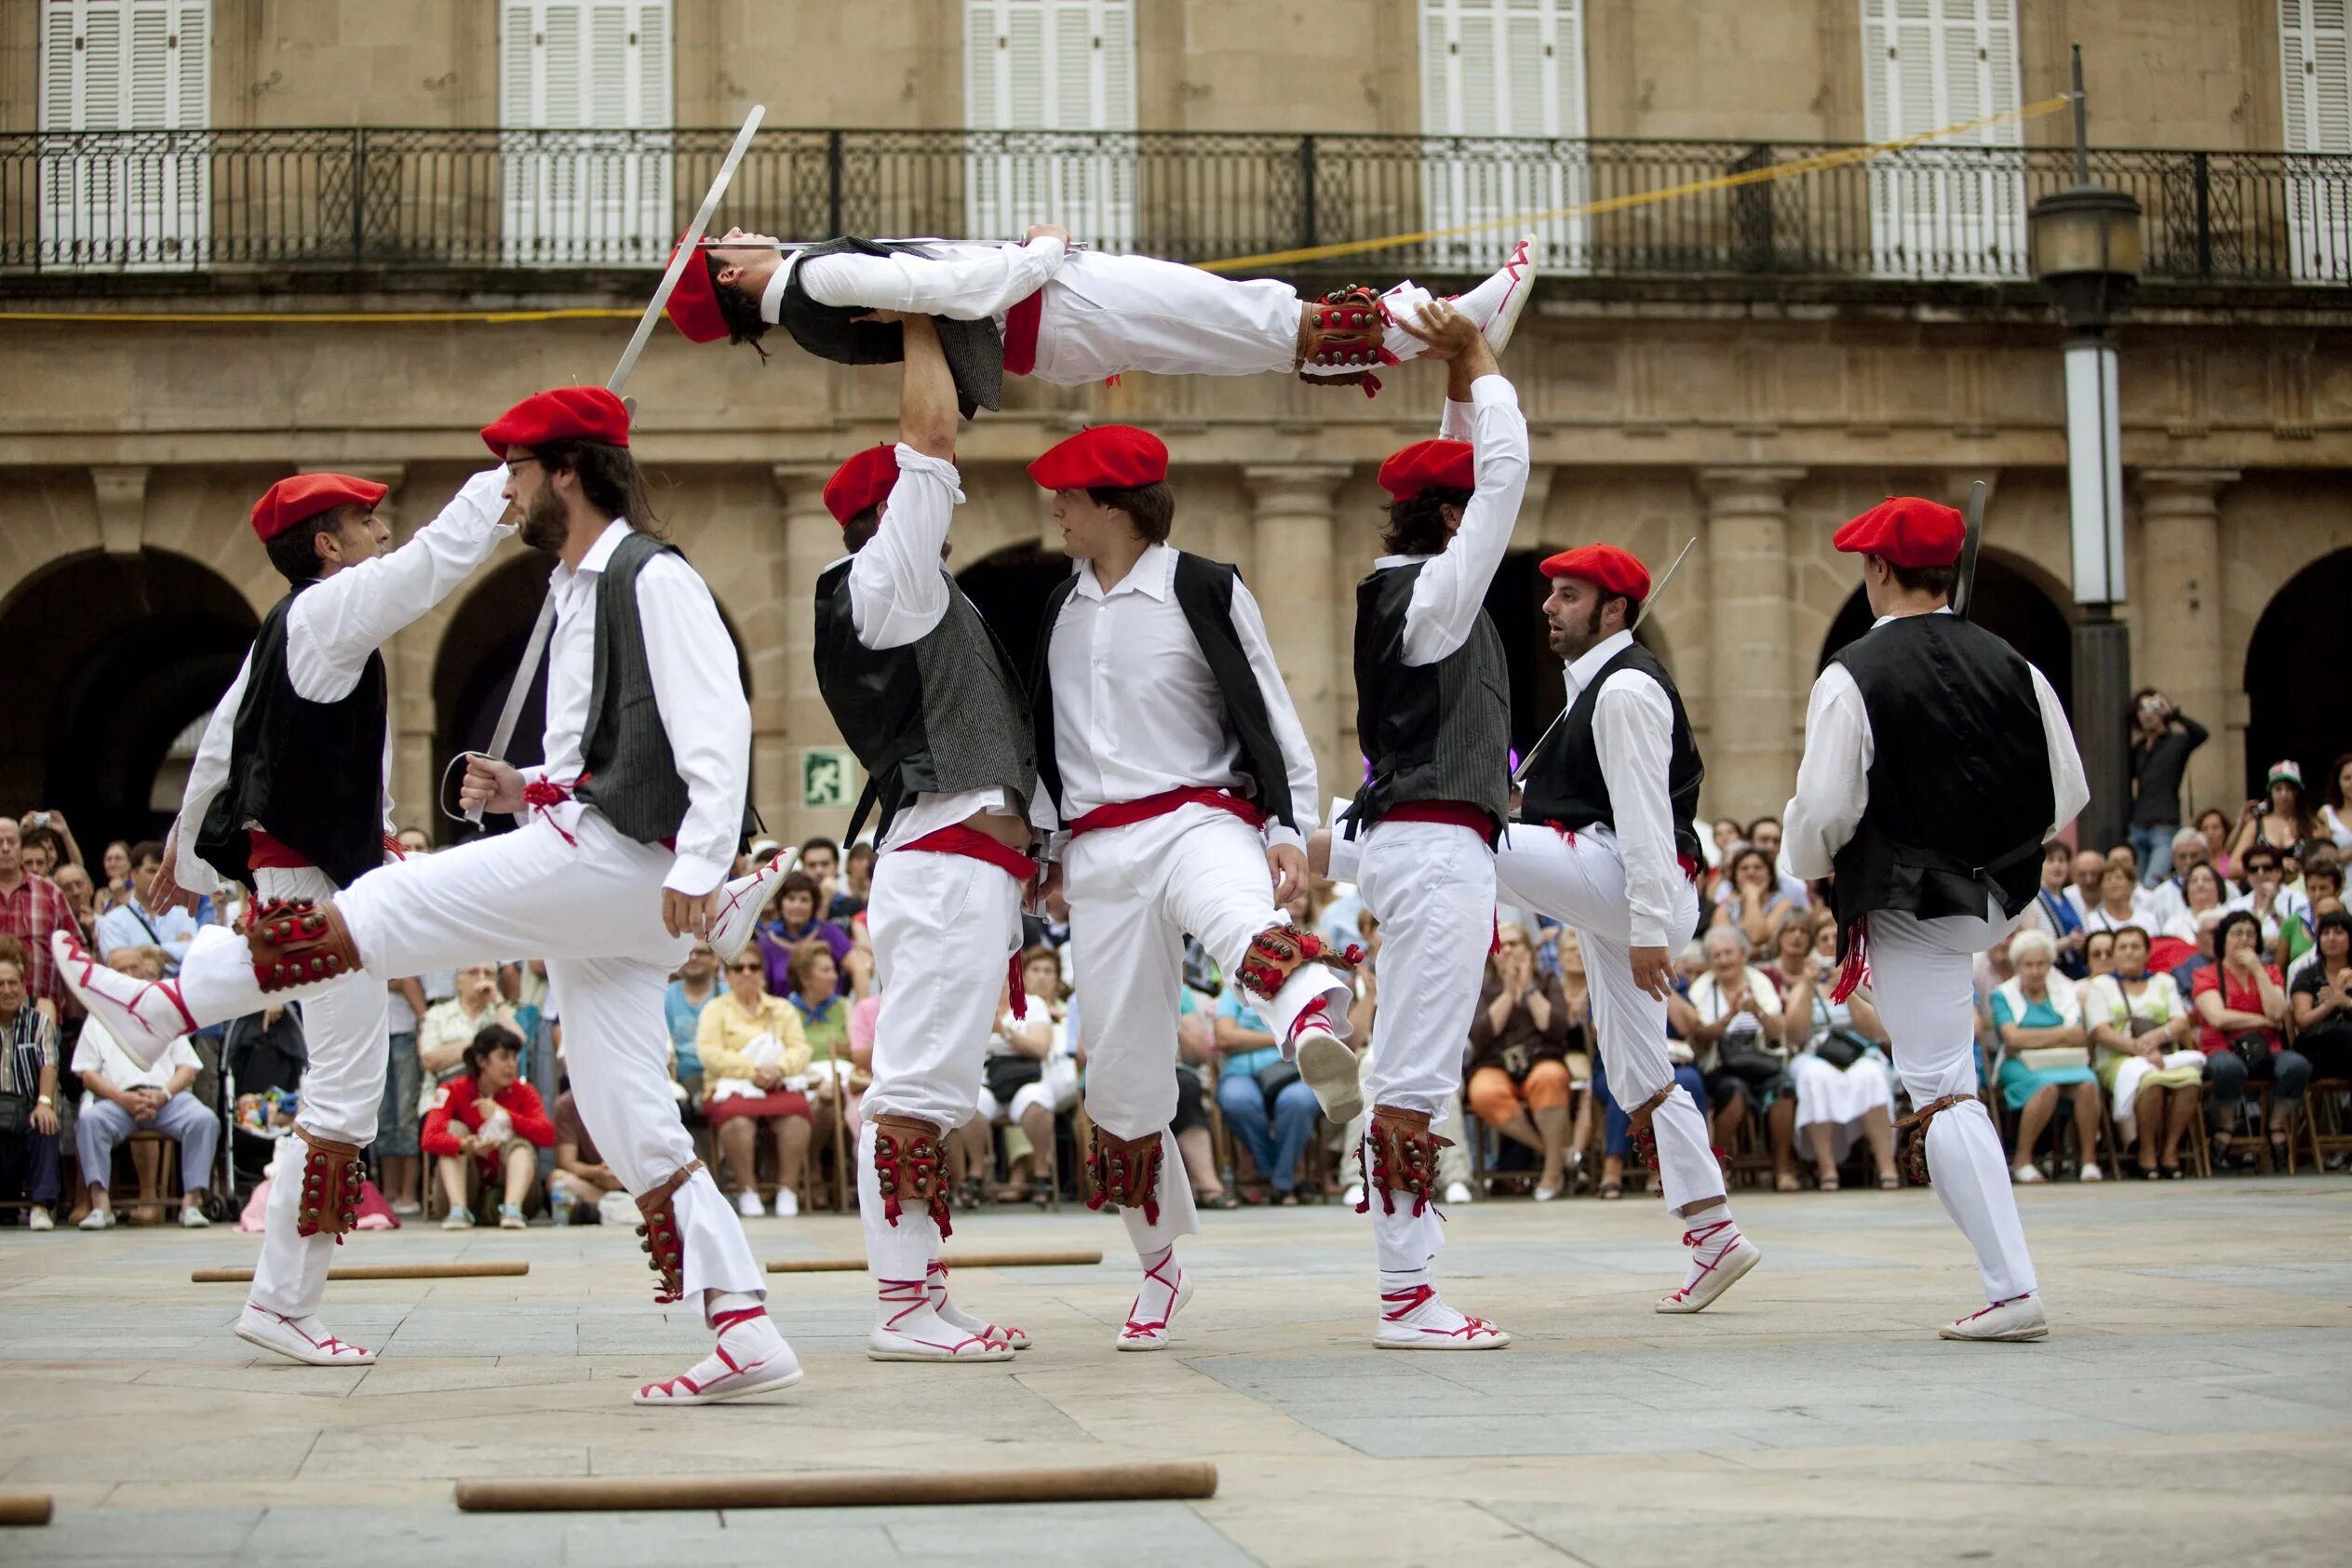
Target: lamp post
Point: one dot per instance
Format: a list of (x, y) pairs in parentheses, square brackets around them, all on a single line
[(2086, 253)]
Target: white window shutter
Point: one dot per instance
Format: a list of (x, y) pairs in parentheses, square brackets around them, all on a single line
[(1944, 208), (2315, 67), (1498, 73), (1050, 66), (135, 67), (589, 67)]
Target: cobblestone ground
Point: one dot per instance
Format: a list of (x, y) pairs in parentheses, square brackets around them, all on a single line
[(2193, 1404)]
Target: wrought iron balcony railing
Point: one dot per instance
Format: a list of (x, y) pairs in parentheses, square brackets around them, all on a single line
[(225, 200)]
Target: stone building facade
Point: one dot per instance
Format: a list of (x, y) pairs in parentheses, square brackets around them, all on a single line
[(1751, 412)]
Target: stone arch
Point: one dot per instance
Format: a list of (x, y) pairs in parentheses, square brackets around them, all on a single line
[(1538, 684), (2298, 675), (113, 657), (1009, 587), (2015, 598)]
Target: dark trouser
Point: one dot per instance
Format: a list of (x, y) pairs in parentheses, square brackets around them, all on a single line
[(2288, 1072), (28, 1167)]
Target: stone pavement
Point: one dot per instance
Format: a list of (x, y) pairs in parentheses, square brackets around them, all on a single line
[(2193, 1405)]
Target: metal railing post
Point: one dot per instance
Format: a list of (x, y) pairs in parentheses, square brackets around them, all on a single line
[(833, 158), (2201, 166), (358, 195), (1307, 191)]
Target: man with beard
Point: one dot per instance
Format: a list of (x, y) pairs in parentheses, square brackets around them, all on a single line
[(617, 866), (289, 795), (1937, 765), (1067, 316), (1434, 715), (931, 703), (1605, 845), (1168, 745)]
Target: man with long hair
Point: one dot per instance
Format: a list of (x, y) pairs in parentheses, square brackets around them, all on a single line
[(1064, 315), (1938, 764), (289, 796), (931, 703), (1172, 767), (1433, 716), (627, 833)]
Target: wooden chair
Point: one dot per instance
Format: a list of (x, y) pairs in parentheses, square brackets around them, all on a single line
[(2231, 1140), (2326, 1095), (165, 1156)]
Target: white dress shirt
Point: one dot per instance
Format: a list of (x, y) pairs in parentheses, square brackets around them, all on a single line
[(1832, 781), (1633, 733), (1136, 711), (898, 591), (1451, 590), (697, 686), (961, 279), (97, 1051), (331, 628)]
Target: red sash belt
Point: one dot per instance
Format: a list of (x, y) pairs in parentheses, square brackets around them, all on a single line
[(543, 794), (970, 843), (1454, 813), (265, 852), (1122, 813), (1020, 334)]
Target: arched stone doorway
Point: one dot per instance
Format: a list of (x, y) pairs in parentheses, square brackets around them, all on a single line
[(112, 658), (1009, 587), (473, 669), (2010, 603), (2298, 675)]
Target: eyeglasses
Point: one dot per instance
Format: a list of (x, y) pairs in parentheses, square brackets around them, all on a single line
[(753, 967)]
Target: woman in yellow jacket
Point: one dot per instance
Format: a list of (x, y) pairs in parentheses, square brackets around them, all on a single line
[(754, 1059)]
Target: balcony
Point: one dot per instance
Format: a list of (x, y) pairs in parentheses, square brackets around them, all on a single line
[(390, 201)]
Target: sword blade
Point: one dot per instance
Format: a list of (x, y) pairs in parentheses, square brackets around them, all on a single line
[(1964, 591), (689, 251)]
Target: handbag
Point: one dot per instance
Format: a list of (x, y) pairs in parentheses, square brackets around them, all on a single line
[(2252, 1047), (1746, 1061), (1007, 1075), (1841, 1048), (1273, 1079), (2051, 1058)]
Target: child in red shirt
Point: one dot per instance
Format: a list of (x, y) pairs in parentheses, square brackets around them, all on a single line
[(489, 1121)]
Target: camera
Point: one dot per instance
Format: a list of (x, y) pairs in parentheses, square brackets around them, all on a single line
[(40, 819)]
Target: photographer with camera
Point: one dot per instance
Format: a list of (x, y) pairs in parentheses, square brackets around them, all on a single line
[(2162, 738)]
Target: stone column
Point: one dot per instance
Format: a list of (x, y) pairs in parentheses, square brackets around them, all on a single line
[(793, 714), (1302, 585), (1755, 717), (2178, 619)]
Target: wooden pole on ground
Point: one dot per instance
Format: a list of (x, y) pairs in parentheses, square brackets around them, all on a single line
[(25, 1507), (966, 1260), (1071, 1483), (498, 1269)]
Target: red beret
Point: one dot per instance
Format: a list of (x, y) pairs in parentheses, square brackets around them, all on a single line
[(1616, 570), (1428, 465), (694, 304), (865, 481), (306, 495), (564, 413), (1110, 456), (1906, 531)]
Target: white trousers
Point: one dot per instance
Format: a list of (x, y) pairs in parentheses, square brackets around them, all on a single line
[(592, 910), (1581, 884), (1134, 894), (1432, 886), (1922, 975), (943, 927), (1101, 315), (347, 1051)]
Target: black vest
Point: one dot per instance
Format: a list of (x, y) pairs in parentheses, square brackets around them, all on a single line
[(311, 773), (974, 350), (940, 715), (1564, 783), (1960, 774), (1204, 592), (1434, 731)]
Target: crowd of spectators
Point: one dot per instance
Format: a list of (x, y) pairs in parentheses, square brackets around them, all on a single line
[(2169, 1005)]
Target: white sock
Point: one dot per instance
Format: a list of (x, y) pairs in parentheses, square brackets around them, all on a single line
[(1163, 1277), (936, 1292), (1709, 1237)]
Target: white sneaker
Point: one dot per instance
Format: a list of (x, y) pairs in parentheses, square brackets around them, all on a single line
[(2092, 1173), (1458, 1192), (1720, 1256), (407, 1207), (1517, 283), (145, 1016), (2024, 1176), (750, 1358), (192, 1218), (2019, 1318), (787, 1203), (748, 1203), (1353, 1197), (1420, 1320), (299, 1339), (740, 903), (1331, 1070), (460, 1218), (98, 1219), (39, 1219)]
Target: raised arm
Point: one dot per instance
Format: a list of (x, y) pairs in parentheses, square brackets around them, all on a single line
[(1451, 589), (897, 588)]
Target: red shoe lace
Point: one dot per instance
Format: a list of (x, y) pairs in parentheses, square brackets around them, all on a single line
[(1136, 1330)]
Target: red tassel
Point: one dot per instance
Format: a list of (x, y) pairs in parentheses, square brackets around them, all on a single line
[(1856, 971), (1017, 986), (1495, 946)]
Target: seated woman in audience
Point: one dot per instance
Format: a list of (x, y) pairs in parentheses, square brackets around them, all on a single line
[(1752, 899), (1016, 1088), (2045, 1054), (487, 1131), (2214, 822), (2280, 819), (1519, 1079), (1268, 1107), (792, 919), (2323, 997), (755, 1063), (2099, 953), (2202, 888), (1844, 1089), (2241, 1006), (2139, 1024), (2119, 899), (1732, 1019), (2052, 912)]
